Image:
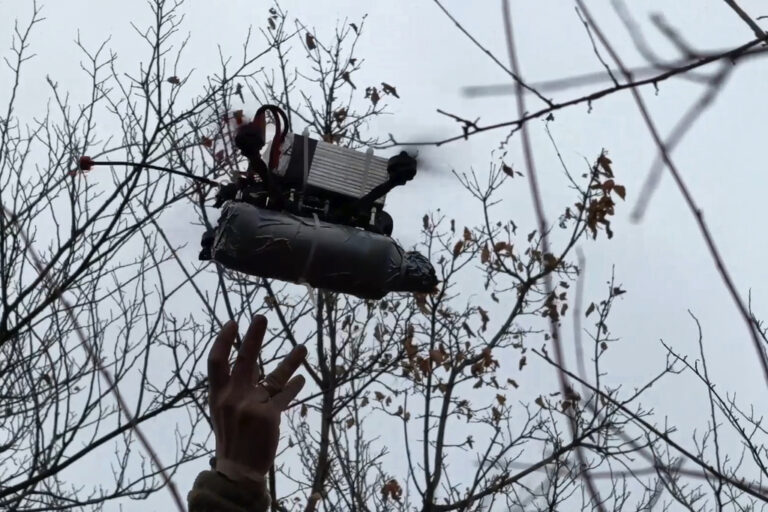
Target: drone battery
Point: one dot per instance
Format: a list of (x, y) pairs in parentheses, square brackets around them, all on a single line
[(306, 162), (327, 256)]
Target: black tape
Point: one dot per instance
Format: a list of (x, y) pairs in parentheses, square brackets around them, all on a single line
[(344, 259)]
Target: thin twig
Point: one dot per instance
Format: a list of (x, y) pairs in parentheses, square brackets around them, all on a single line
[(759, 32), (753, 490), (511, 73), (594, 48), (106, 375)]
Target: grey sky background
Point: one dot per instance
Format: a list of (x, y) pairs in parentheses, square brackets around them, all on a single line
[(661, 262)]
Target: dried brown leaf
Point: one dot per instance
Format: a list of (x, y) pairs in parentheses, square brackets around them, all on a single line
[(310, 40)]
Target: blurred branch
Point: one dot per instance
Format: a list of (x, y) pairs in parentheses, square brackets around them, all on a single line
[(681, 128), (631, 84), (692, 206), (565, 386), (643, 75)]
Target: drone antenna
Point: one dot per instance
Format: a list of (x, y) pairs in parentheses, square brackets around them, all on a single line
[(86, 163)]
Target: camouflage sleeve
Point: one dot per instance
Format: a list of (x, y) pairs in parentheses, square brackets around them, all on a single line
[(213, 492)]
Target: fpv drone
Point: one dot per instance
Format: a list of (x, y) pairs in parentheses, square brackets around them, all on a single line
[(311, 212)]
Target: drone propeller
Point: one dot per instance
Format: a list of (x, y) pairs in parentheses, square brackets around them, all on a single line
[(426, 161), (427, 155)]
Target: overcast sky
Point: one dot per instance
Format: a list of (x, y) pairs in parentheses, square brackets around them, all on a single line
[(661, 262)]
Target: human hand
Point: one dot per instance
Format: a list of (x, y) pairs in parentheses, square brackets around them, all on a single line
[(245, 410)]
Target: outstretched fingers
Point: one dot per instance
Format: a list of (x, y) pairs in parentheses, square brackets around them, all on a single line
[(218, 357), (247, 356), (289, 392), (278, 379)]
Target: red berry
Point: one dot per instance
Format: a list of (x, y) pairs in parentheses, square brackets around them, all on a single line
[(85, 163)]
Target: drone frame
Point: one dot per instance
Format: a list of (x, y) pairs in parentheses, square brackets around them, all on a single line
[(250, 139)]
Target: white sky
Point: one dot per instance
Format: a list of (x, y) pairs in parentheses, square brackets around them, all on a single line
[(662, 262)]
